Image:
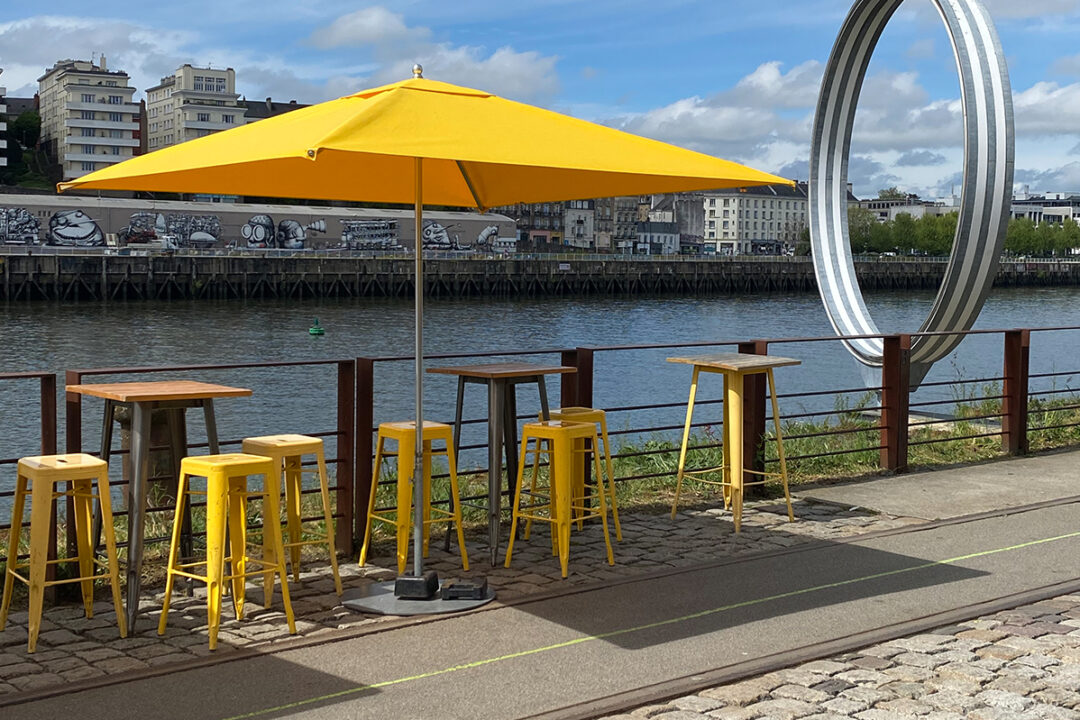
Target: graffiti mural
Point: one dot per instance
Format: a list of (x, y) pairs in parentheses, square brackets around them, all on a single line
[(259, 232), (369, 235), (436, 237), (488, 235), (74, 228), (173, 230), (18, 226)]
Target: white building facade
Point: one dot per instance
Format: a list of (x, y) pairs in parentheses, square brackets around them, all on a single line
[(190, 103), (579, 223), (742, 221), (88, 119)]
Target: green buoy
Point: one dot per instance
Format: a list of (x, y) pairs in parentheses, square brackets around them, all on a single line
[(316, 329)]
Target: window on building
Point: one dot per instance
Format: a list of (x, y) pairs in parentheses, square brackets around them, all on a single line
[(727, 201), (202, 117), (228, 119), (116, 117), (110, 83), (87, 114), (199, 84), (116, 99), (88, 97), (116, 133), (116, 150), (89, 149), (712, 202), (88, 132), (87, 166), (727, 213), (725, 224), (712, 223), (219, 85)]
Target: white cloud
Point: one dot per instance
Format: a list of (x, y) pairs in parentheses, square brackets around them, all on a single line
[(917, 158), (396, 46), (1047, 108)]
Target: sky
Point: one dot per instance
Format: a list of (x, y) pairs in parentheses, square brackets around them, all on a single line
[(734, 79)]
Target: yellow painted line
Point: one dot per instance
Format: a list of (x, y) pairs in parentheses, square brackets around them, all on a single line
[(648, 626)]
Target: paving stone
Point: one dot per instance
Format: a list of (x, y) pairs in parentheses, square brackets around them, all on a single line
[(8, 672), (730, 712), (951, 701), (906, 689), (58, 637), (678, 715), (905, 706), (696, 703), (116, 665), (1049, 712), (743, 693), (867, 695), (82, 673), (800, 692), (871, 662), (832, 686), (782, 709), (25, 683), (1057, 696), (648, 711), (865, 678), (826, 667), (1013, 702)]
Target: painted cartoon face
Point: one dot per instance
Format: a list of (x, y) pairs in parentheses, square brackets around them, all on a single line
[(259, 231), (74, 227), (291, 235), (434, 235)]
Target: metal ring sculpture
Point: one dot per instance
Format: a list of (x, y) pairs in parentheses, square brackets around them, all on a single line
[(987, 184)]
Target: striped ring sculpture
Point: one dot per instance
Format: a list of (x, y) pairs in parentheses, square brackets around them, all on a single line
[(987, 184)]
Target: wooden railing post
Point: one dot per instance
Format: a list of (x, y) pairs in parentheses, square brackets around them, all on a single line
[(73, 443), (48, 447), (1014, 405), (754, 396), (895, 393), (346, 445), (365, 420), (584, 377), (568, 386)]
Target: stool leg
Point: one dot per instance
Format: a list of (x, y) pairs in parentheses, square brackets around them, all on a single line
[(83, 501), (371, 499), (13, 548), (216, 521), (685, 440), (293, 486), (561, 463), (733, 397), (40, 524), (174, 547), (426, 513), (515, 512), (780, 444), (272, 499), (610, 477), (405, 471), (105, 505), (455, 505), (236, 507), (324, 490), (602, 493), (532, 484), (577, 480)]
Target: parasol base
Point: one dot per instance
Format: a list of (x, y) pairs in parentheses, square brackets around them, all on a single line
[(379, 598)]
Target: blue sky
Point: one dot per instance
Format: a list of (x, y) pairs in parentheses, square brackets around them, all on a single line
[(734, 79)]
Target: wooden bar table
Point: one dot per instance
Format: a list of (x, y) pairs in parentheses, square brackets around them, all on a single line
[(144, 397), (734, 367), (502, 422)]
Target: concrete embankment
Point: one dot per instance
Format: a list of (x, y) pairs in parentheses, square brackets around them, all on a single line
[(38, 276)]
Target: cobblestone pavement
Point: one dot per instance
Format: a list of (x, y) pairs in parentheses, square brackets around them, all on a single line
[(1022, 664), (73, 648)]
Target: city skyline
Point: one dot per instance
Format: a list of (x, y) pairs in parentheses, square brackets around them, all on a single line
[(731, 81)]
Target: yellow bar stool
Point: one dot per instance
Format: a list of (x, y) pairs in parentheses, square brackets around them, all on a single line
[(37, 478), (404, 434), (556, 503), (599, 417), (287, 452), (226, 504)]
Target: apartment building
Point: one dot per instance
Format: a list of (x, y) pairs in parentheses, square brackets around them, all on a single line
[(616, 223), (579, 221), (88, 119), (3, 125), (745, 221), (191, 103)]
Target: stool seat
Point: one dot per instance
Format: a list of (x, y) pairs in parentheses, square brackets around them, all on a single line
[(287, 451), (37, 478), (560, 505), (400, 516), (226, 501)]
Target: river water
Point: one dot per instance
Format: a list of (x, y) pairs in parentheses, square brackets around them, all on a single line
[(57, 337)]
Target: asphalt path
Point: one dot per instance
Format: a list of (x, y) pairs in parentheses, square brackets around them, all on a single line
[(512, 662)]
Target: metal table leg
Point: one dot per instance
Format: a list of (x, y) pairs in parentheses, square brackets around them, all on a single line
[(106, 450), (140, 462), (496, 395), (457, 451)]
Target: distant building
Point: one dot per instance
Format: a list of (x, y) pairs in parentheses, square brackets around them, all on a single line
[(256, 110), (191, 103), (616, 223), (772, 216), (658, 238), (579, 221), (539, 225), (1052, 207), (3, 124), (88, 119)]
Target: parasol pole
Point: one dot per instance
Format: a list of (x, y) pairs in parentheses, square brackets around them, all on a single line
[(418, 460)]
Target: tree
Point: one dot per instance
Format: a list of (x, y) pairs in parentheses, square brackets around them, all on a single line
[(27, 128), (892, 193), (903, 232), (802, 246), (860, 225), (1020, 237)]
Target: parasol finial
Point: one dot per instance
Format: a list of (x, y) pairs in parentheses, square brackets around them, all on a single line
[(418, 70)]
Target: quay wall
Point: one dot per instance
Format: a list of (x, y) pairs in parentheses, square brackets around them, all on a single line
[(33, 277)]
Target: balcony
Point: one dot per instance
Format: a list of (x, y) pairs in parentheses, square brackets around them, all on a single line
[(205, 125), (100, 158), (76, 122), (106, 141), (102, 106)]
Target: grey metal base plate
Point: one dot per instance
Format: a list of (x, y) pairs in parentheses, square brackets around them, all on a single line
[(379, 598)]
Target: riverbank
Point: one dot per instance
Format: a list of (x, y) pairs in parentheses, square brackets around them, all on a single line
[(39, 274)]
